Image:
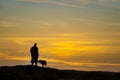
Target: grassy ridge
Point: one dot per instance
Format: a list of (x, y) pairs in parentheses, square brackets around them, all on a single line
[(27, 72)]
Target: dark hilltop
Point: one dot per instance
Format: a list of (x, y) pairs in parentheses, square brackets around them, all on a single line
[(28, 72)]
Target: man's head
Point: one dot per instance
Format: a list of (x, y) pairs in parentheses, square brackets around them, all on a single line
[(35, 44)]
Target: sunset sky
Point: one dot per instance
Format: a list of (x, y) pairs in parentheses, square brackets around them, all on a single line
[(71, 34)]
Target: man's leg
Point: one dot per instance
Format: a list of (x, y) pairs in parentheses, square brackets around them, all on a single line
[(36, 60), (35, 63)]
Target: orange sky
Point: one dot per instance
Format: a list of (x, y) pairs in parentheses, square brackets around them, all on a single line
[(71, 34)]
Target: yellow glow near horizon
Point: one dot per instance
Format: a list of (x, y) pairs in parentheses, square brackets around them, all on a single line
[(64, 48), (79, 63)]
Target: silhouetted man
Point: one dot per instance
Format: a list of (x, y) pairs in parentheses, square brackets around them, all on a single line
[(34, 54)]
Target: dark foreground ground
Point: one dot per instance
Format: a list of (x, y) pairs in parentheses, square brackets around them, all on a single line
[(27, 72)]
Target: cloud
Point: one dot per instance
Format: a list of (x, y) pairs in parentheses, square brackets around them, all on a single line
[(102, 3), (7, 23), (67, 4), (80, 3)]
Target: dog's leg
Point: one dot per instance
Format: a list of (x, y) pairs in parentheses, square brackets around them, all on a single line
[(45, 65), (42, 66)]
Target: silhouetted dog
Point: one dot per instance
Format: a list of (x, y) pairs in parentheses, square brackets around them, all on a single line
[(43, 63)]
